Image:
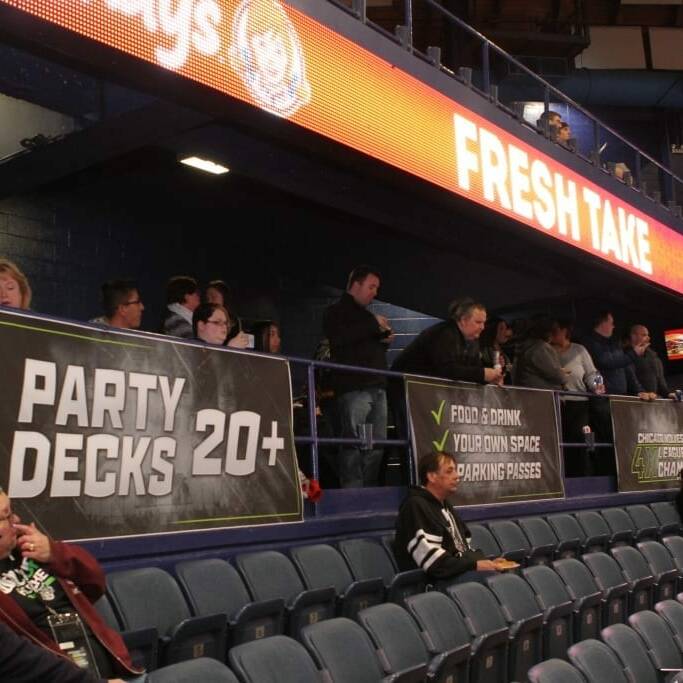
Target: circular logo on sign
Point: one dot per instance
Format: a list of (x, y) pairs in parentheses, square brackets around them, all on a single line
[(267, 55)]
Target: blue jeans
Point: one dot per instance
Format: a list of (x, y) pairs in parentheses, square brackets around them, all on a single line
[(358, 467)]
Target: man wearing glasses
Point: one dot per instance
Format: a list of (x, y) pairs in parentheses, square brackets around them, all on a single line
[(121, 304)]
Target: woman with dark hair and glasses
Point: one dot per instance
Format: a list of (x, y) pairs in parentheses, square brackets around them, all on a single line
[(211, 323)]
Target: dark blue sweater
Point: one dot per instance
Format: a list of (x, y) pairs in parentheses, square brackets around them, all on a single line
[(614, 364)]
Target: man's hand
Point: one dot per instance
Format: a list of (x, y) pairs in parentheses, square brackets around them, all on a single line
[(382, 322), (493, 375), (646, 396), (641, 348), (388, 339), (486, 566), (33, 544)]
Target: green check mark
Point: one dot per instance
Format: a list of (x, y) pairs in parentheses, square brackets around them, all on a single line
[(438, 414), (439, 445)]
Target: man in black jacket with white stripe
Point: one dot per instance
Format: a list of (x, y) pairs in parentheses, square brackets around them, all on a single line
[(429, 532)]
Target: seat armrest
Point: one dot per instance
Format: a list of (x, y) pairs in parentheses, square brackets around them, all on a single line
[(616, 591), (414, 578), (490, 639), (445, 661), (146, 642), (542, 550), (518, 555), (254, 612), (416, 674), (563, 609), (594, 599), (213, 626), (533, 623), (373, 588)]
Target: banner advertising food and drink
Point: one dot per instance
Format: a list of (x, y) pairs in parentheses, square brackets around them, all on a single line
[(648, 443), (504, 440), (105, 433)]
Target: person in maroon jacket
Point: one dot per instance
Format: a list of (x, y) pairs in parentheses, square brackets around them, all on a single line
[(41, 580)]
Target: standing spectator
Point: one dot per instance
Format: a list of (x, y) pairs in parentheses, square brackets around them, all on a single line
[(359, 337), (564, 137), (449, 349), (538, 364), (182, 298), (549, 122), (649, 368), (15, 290), (497, 333), (121, 304), (217, 292), (611, 360)]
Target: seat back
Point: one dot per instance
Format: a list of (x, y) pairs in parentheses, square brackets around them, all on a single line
[(662, 567), (201, 669), (646, 523), (667, 516), (367, 559), (538, 532), (396, 637), (106, 611), (273, 660), (674, 544), (672, 613), (579, 581), (511, 539), (567, 529), (440, 621), (147, 598), (388, 545), (597, 662), (555, 671), (605, 570), (657, 638), (620, 524), (269, 574), (343, 650), (320, 566), (596, 529), (547, 585), (638, 574), (631, 651), (482, 539)]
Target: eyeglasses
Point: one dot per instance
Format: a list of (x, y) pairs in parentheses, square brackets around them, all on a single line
[(220, 323), (132, 303)]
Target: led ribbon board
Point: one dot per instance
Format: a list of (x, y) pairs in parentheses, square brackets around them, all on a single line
[(279, 59)]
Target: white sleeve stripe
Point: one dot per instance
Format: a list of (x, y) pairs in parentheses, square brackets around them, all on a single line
[(422, 550), (432, 558), (421, 535)]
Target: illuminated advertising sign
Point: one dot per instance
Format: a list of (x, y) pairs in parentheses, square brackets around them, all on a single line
[(674, 344), (277, 58)]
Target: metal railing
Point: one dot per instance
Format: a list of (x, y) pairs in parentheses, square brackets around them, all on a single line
[(499, 77)]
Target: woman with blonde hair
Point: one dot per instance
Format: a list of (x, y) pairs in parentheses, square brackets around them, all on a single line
[(15, 290)]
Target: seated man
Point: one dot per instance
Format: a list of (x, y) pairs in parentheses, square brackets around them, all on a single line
[(122, 305), (429, 532), (41, 582)]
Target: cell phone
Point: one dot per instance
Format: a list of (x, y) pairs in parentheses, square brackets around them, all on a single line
[(250, 340)]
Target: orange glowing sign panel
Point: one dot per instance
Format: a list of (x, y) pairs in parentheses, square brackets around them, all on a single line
[(279, 59), (674, 344)]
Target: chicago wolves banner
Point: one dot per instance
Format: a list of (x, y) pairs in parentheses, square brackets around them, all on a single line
[(505, 440), (648, 443), (107, 433)]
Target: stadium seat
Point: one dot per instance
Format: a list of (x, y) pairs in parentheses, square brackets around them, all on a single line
[(445, 633), (667, 516), (273, 660), (615, 589), (554, 671), (631, 652), (213, 585), (321, 565), (646, 523), (388, 545), (482, 539), (558, 611), (345, 653), (662, 567), (589, 600), (540, 535), (515, 545), (142, 644), (270, 575), (150, 598), (568, 531), (398, 641), (672, 613), (597, 662), (638, 576), (595, 527), (202, 669), (368, 560), (674, 544), (658, 639), (491, 638), (621, 526)]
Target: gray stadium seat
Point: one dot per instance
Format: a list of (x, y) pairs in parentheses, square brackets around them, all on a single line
[(515, 545), (445, 633), (368, 560), (638, 576), (320, 565), (558, 610), (398, 640), (150, 598), (662, 567), (646, 523), (345, 653), (201, 669), (491, 639), (631, 652), (273, 660), (667, 516), (270, 575), (615, 589), (568, 532), (672, 613), (597, 662), (555, 671), (674, 544), (595, 527), (620, 525), (213, 585), (540, 535), (482, 539), (589, 599), (661, 645), (388, 545)]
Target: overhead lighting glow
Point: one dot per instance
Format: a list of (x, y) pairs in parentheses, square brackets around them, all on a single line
[(205, 165)]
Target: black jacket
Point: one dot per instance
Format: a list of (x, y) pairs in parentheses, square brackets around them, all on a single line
[(441, 351), (650, 372), (355, 339), (615, 365), (424, 539), (537, 365)]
